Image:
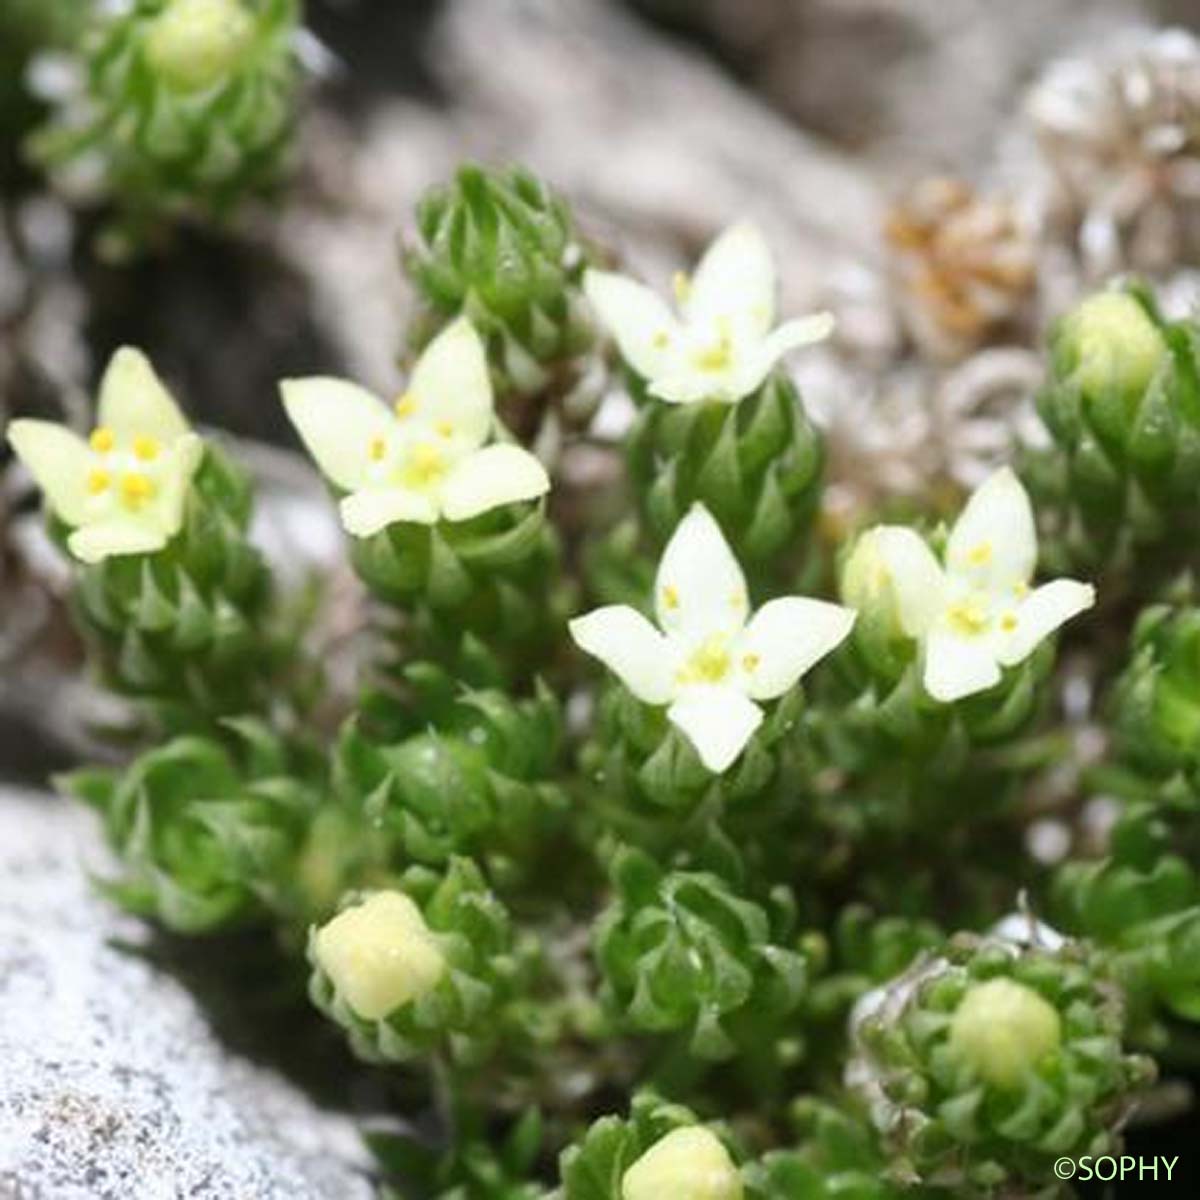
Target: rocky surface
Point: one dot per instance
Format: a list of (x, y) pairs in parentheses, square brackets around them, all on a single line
[(113, 1086)]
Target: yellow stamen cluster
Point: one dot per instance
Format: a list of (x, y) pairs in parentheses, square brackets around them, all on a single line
[(424, 466), (136, 489), (709, 662), (968, 617)]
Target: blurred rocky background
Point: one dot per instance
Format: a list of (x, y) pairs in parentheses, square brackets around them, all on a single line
[(944, 174)]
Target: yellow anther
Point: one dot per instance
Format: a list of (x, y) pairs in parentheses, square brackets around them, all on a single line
[(661, 340), (980, 555), (1020, 590), (425, 465), (682, 286), (98, 481), (968, 617), (102, 440), (445, 428), (717, 356), (377, 449), (146, 448), (750, 662), (670, 596), (709, 662), (1008, 622), (136, 488), (406, 405)]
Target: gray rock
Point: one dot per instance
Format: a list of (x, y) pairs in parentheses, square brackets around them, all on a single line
[(112, 1083)]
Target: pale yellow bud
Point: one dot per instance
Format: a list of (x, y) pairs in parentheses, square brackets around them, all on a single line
[(191, 44), (1003, 1030), (380, 955), (1111, 343), (688, 1164)]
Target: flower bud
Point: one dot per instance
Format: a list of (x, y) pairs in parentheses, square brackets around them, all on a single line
[(379, 955), (868, 586), (193, 43), (688, 1164), (1109, 343), (1003, 1029)]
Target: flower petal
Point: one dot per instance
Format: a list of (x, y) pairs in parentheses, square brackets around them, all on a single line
[(994, 541), (59, 461), (700, 589), (958, 666), (914, 575), (759, 361), (487, 478), (642, 325), (1042, 612), (687, 386), (718, 720), (181, 460), (367, 512), (735, 281), (338, 422), (622, 639), (450, 390), (134, 401), (94, 543), (785, 638)]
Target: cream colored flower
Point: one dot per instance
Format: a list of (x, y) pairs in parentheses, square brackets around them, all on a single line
[(425, 458), (689, 1163), (122, 490), (721, 345), (710, 661), (379, 955), (975, 613)]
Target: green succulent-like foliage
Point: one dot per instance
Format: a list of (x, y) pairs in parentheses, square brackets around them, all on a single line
[(1142, 899), (649, 780), (188, 105), (501, 247), (593, 1167), (470, 1013), (1122, 405), (206, 833), (480, 598), (481, 781), (682, 953), (473, 1168), (188, 630), (838, 1156), (984, 1065), (756, 465)]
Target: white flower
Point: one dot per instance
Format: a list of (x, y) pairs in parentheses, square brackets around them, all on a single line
[(976, 613), (424, 458), (711, 661), (123, 489), (689, 1163), (379, 954), (721, 346)]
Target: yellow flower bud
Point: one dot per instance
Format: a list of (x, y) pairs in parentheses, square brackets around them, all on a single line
[(688, 1164), (1003, 1030), (1111, 343), (193, 43), (380, 955)]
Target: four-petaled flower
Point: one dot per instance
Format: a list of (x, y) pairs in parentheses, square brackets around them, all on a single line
[(424, 458), (711, 660), (122, 491), (721, 346), (976, 612)]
